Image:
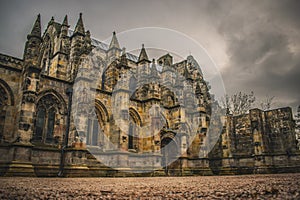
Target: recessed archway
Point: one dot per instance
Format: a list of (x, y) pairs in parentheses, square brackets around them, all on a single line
[(169, 151)]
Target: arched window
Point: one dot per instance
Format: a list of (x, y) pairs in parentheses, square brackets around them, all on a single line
[(46, 118), (133, 139), (40, 123), (44, 124), (130, 136), (92, 132), (50, 124), (95, 127), (133, 127)]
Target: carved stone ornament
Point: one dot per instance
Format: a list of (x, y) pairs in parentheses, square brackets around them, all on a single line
[(29, 97)]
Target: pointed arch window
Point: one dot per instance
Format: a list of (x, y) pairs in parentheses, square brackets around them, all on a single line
[(40, 123), (92, 132), (133, 130), (130, 136), (46, 117), (95, 128), (50, 124), (44, 124)]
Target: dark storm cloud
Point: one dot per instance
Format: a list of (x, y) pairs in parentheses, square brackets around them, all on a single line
[(263, 47)]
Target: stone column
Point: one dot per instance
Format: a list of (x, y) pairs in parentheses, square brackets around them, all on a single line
[(22, 148)]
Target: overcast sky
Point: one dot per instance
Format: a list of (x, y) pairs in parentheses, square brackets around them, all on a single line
[(255, 44)]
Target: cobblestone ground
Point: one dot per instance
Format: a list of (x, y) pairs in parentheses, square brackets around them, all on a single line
[(282, 186)]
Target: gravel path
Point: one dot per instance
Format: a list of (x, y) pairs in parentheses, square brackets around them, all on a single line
[(279, 186)]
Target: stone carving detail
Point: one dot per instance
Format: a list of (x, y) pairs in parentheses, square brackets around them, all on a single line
[(29, 97), (10, 61)]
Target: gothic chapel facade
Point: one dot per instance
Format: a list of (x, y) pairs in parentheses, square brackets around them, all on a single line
[(47, 129)]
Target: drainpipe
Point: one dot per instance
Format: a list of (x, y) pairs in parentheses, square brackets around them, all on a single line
[(69, 92)]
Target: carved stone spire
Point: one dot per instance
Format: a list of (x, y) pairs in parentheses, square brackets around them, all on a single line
[(36, 30), (79, 26), (143, 55), (31, 51), (114, 42), (65, 22), (64, 27)]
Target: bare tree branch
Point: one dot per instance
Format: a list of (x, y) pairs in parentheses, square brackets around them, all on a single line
[(266, 103), (238, 103)]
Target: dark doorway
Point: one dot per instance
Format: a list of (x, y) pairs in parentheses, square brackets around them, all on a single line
[(169, 150)]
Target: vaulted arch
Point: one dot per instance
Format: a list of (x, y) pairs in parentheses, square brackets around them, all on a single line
[(135, 116), (169, 149), (167, 134), (166, 120), (102, 110)]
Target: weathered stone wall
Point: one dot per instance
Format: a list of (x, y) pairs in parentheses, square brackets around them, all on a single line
[(10, 76), (258, 142)]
